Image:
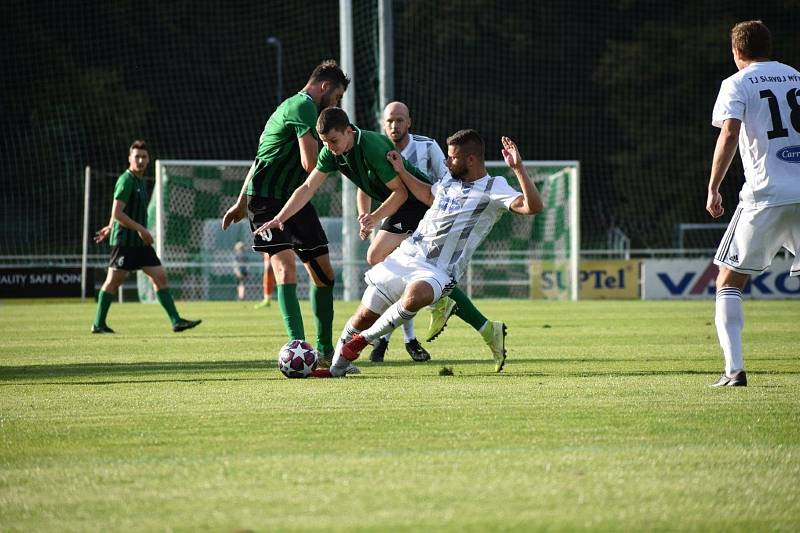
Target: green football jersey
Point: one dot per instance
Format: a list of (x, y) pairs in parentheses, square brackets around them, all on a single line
[(366, 165), (133, 191), (278, 168)]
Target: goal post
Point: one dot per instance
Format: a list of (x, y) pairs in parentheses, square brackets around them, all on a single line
[(191, 196), (185, 214)]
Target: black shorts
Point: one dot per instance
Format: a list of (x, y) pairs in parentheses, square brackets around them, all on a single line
[(406, 219), (132, 258), (302, 233)]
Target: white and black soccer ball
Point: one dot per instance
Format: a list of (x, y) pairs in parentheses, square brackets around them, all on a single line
[(297, 359)]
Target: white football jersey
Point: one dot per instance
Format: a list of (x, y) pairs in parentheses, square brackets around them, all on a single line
[(461, 216), (425, 154), (765, 96)]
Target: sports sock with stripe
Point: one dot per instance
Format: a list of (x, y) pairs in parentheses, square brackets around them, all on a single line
[(408, 331), (729, 319), (340, 364), (389, 320)]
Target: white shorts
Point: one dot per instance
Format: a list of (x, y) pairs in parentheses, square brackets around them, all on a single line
[(755, 235), (390, 278)]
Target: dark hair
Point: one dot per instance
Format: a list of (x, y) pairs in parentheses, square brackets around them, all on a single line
[(328, 70), (332, 118), (137, 145), (470, 141), (752, 39)]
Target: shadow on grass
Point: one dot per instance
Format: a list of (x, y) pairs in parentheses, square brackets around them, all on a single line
[(212, 371), (146, 368)]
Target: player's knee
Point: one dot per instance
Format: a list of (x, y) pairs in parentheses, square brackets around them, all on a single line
[(110, 286), (418, 295), (730, 278), (326, 281), (323, 273), (363, 318), (284, 271)]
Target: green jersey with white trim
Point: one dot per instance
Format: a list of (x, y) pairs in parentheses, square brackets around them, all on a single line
[(278, 168), (366, 165), (133, 191)]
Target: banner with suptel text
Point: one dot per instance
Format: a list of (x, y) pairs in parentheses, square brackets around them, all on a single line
[(695, 279), (611, 279)]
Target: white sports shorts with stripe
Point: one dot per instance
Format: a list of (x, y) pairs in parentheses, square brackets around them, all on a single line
[(755, 235), (387, 280)]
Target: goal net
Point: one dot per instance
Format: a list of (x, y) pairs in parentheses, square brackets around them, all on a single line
[(519, 249), (190, 198)]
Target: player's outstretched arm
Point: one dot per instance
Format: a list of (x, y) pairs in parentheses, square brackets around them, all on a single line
[(530, 202), (299, 198), (239, 210), (420, 189), (723, 155), (389, 206)]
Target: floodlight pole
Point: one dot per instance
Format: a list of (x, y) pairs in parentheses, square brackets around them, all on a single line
[(274, 41)]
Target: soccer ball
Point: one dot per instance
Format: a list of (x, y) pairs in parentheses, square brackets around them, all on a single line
[(297, 359)]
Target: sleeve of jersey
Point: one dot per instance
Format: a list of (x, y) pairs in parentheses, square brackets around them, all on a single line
[(123, 188), (729, 104), (303, 118), (503, 193), (325, 161), (417, 173), (437, 159)]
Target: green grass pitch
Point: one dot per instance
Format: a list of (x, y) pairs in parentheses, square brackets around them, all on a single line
[(603, 419)]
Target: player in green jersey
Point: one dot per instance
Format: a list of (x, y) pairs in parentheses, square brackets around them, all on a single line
[(361, 156), (132, 243), (287, 152)]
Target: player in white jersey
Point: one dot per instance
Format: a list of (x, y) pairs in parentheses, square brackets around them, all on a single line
[(758, 107), (464, 207), (425, 154)]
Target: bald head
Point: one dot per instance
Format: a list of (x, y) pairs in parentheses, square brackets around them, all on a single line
[(396, 108), (396, 123)]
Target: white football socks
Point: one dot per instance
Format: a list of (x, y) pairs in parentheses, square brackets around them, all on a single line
[(340, 364), (388, 321), (408, 330), (729, 319)]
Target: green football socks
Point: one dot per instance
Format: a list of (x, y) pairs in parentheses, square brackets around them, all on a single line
[(290, 310), (164, 297), (104, 300), (322, 306), (466, 311)]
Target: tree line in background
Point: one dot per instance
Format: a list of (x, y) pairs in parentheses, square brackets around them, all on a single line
[(625, 87)]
